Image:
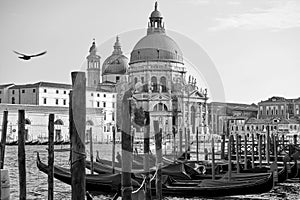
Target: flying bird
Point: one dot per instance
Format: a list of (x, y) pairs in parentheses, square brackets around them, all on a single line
[(28, 57)]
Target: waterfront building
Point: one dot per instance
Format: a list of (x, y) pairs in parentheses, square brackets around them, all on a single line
[(279, 114), (42, 98), (228, 117), (36, 122), (4, 97), (279, 107), (280, 126)]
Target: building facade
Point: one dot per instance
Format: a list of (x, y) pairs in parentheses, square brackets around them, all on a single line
[(279, 107), (158, 75), (223, 116)]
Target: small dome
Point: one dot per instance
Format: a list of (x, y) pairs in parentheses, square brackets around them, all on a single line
[(156, 14), (115, 64)]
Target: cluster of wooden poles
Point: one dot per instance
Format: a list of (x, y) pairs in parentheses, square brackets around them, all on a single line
[(77, 123), (262, 146)]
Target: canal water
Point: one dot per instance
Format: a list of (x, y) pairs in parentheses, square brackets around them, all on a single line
[(37, 181)]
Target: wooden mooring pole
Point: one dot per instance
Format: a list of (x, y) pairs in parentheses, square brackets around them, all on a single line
[(229, 157), (78, 128), (213, 158), (275, 157), (91, 150), (186, 144), (3, 142), (252, 151), (146, 155), (3, 138), (158, 147), (197, 144), (113, 149), (180, 141), (237, 154), (282, 137), (21, 154), (245, 152), (223, 146), (174, 144), (260, 149), (268, 145), (126, 146), (50, 156)]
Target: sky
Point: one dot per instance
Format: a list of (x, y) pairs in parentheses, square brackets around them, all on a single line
[(244, 50)]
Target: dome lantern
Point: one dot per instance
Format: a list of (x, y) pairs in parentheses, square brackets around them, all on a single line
[(156, 45), (117, 47), (93, 48), (155, 24)]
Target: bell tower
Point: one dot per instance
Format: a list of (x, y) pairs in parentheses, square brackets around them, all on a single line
[(93, 67)]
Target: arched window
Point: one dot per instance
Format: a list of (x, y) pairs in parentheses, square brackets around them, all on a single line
[(135, 80), (154, 84), (163, 83), (160, 107), (13, 101), (27, 121), (89, 123), (59, 122)]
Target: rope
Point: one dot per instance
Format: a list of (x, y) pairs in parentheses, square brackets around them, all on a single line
[(159, 165), (142, 185), (80, 158), (127, 188)]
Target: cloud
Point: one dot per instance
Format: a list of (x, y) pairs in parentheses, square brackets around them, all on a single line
[(197, 2), (281, 16), (234, 2)]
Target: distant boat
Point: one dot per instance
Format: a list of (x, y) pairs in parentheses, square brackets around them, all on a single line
[(11, 143)]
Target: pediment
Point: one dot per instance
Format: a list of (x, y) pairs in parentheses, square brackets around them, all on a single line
[(160, 97), (196, 94)]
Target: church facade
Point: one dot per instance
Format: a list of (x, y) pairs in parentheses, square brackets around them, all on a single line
[(158, 75)]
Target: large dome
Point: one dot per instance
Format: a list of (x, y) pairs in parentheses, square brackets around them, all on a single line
[(156, 45)]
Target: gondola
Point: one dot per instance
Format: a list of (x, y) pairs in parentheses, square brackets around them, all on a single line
[(135, 164), (60, 142), (217, 188), (178, 171), (107, 184)]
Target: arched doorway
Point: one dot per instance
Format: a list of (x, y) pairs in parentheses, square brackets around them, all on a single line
[(58, 134), (89, 125), (27, 124)]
